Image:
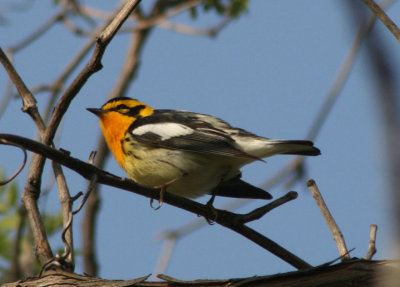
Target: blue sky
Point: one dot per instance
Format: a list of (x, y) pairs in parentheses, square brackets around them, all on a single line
[(268, 72)]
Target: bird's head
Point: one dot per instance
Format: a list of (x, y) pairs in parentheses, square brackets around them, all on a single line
[(116, 116)]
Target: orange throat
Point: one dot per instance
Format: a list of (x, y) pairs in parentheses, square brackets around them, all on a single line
[(114, 127)]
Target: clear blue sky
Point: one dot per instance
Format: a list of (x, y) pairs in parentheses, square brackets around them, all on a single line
[(268, 72)]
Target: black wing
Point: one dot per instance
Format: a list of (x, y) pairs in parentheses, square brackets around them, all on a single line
[(181, 130)]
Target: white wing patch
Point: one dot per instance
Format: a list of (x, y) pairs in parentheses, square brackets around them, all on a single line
[(164, 130)]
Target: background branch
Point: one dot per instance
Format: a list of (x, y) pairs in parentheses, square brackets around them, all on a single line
[(32, 189)]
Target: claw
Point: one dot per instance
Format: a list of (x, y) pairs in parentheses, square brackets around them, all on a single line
[(163, 189), (161, 199), (212, 209)]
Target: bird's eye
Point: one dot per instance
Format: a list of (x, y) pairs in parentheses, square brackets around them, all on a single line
[(123, 111)]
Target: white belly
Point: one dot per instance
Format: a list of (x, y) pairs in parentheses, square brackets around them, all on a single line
[(182, 173)]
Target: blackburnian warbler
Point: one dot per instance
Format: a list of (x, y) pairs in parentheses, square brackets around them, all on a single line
[(186, 153)]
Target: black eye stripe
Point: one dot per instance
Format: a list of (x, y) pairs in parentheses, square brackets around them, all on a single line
[(124, 109), (119, 107)]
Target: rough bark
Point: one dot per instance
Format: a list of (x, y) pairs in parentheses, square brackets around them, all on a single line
[(362, 273)]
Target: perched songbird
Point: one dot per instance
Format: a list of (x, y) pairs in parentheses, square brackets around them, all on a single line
[(186, 153)]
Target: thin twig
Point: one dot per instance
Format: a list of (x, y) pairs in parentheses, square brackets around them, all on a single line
[(29, 102), (372, 239), (159, 18), (340, 78), (183, 29), (336, 233), (58, 83), (335, 260), (261, 211), (8, 94), (91, 186), (378, 11), (4, 182), (76, 30), (66, 260), (165, 256), (38, 33), (88, 225), (108, 32), (66, 206)]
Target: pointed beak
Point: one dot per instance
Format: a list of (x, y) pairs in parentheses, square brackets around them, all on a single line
[(97, 112)]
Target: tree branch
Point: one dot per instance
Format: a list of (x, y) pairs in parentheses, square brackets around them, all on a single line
[(224, 218), (336, 233), (32, 189), (355, 273), (372, 239), (378, 11)]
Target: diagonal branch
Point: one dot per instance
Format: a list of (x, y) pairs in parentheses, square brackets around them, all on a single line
[(378, 11), (32, 189), (224, 218), (333, 227), (108, 32)]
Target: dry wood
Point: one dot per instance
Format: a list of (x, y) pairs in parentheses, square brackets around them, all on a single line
[(354, 273), (334, 228)]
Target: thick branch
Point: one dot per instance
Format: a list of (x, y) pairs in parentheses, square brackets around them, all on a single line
[(224, 218), (355, 273)]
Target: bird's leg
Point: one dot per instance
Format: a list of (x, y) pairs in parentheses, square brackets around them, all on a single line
[(212, 209), (210, 202), (163, 189)]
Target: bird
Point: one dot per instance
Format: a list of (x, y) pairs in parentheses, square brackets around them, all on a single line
[(186, 153)]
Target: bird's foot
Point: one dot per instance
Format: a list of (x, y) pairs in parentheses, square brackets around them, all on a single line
[(211, 220)]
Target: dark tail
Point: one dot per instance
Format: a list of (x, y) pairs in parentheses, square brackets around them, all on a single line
[(238, 188), (299, 147)]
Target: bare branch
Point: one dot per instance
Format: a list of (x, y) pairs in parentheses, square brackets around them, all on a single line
[(35, 35), (336, 233), (165, 256), (372, 239), (108, 32), (224, 218), (180, 28), (378, 11), (4, 182), (66, 206), (29, 102), (88, 226), (260, 212), (32, 188), (91, 186), (159, 18), (340, 78)]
